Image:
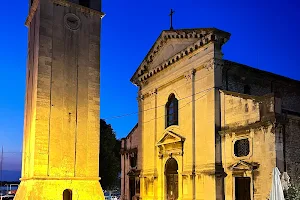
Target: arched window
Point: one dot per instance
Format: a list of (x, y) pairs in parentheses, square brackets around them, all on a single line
[(67, 194), (172, 111)]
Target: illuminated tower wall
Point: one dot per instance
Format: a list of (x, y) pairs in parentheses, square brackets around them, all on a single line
[(61, 125)]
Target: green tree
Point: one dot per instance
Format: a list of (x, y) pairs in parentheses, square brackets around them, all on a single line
[(110, 160), (293, 193)]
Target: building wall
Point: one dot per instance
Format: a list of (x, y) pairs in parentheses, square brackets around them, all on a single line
[(179, 80), (131, 143), (242, 118), (292, 147), (61, 131), (211, 101), (235, 76)]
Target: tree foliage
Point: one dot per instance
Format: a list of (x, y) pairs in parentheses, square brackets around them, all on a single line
[(293, 193), (110, 160)]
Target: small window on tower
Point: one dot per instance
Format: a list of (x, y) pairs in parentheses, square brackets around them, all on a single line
[(31, 2), (247, 89), (85, 3)]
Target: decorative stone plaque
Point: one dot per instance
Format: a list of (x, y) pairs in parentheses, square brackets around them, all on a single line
[(72, 21)]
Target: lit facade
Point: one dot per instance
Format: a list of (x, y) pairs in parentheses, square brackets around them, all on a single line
[(61, 126), (131, 160), (212, 128)]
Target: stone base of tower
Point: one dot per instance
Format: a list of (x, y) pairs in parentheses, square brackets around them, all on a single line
[(53, 189)]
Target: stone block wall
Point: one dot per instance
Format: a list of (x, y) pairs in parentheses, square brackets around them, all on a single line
[(235, 76), (61, 128), (292, 147), (242, 119), (130, 144)]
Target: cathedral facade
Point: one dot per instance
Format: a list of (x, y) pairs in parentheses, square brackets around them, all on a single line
[(210, 128)]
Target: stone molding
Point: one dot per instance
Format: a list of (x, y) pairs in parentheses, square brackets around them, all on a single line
[(60, 178), (170, 154), (32, 12), (140, 98), (150, 174), (214, 64), (170, 139), (189, 74), (205, 36), (260, 125), (65, 3), (152, 92), (72, 21), (82, 8)]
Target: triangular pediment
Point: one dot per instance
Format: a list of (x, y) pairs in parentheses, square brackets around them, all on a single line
[(170, 137), (171, 48), (244, 166), (172, 45)]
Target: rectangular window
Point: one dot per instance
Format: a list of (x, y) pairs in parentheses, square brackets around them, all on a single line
[(85, 3), (241, 148)]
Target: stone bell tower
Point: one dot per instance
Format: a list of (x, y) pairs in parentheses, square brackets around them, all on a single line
[(61, 126)]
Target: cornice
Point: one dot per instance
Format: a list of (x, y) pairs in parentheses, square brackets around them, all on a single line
[(65, 3), (32, 12), (247, 128), (185, 75), (60, 178), (146, 74), (205, 37), (82, 8)]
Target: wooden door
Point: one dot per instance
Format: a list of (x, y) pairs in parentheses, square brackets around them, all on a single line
[(172, 186), (172, 179), (242, 188)]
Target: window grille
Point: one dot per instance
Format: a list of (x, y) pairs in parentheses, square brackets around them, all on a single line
[(241, 148)]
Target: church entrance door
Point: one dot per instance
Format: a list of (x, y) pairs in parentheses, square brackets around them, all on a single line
[(172, 179), (242, 188), (132, 187), (67, 194)]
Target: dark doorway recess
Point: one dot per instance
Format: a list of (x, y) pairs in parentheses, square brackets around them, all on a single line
[(172, 179), (242, 188)]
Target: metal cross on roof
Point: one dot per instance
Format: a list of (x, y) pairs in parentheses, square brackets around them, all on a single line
[(171, 17)]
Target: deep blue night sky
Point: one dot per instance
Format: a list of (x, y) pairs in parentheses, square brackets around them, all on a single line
[(264, 35)]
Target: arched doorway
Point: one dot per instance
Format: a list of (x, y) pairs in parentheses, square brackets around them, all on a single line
[(67, 194), (171, 179)]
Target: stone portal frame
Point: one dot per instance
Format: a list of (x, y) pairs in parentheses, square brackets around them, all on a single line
[(243, 169), (244, 175), (165, 176), (240, 137), (169, 146), (164, 160)]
